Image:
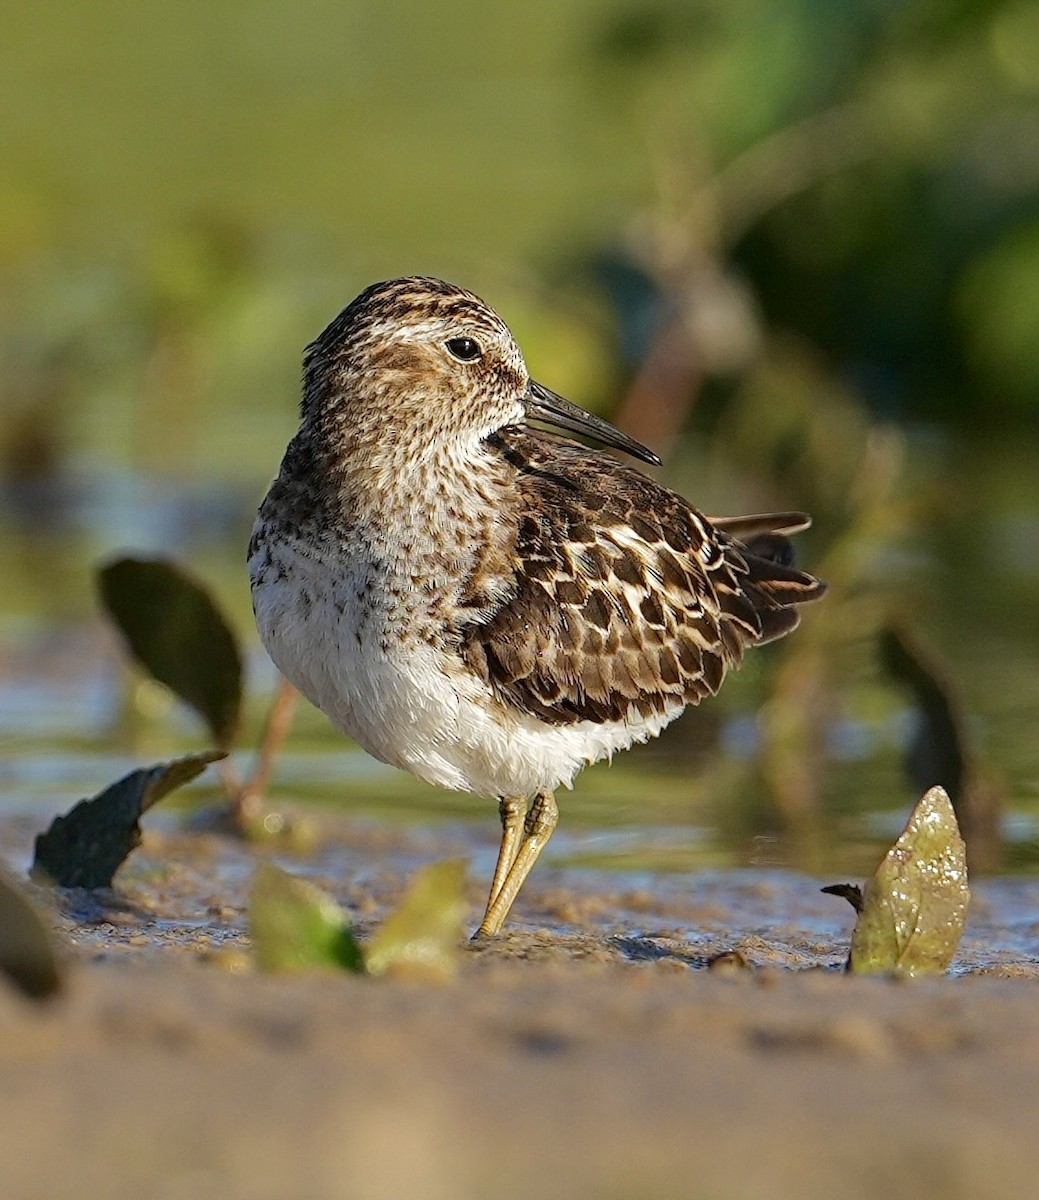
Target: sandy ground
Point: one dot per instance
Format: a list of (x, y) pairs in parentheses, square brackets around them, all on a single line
[(590, 1053)]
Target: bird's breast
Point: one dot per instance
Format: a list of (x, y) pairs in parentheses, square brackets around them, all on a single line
[(362, 635)]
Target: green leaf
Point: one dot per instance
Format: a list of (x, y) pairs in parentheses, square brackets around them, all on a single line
[(423, 934), (915, 906), (178, 635), (27, 955), (295, 924), (88, 845)]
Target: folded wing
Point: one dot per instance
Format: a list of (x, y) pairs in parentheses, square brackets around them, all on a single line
[(626, 602)]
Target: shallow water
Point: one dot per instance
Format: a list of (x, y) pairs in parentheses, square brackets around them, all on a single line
[(68, 732)]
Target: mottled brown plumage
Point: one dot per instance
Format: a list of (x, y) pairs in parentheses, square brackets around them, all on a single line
[(484, 604), (625, 600)]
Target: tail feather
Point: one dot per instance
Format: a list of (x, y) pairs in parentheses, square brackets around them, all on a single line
[(772, 584), (744, 528), (777, 623)]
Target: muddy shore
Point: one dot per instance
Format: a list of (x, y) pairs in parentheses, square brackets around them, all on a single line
[(590, 1052)]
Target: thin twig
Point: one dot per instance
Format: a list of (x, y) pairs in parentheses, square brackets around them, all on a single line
[(249, 798)]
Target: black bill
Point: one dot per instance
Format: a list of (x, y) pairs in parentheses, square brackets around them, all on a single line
[(544, 405)]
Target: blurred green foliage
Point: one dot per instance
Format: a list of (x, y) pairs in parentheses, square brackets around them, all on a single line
[(191, 191)]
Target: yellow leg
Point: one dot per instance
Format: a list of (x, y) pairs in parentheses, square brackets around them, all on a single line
[(538, 827), (513, 811)]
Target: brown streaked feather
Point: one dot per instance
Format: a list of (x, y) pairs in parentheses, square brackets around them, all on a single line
[(626, 601), (747, 527)]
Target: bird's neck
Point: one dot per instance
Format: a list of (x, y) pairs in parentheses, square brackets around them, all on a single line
[(400, 492)]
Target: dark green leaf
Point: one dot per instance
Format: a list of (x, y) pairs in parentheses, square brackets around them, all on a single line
[(27, 955), (295, 924), (915, 906), (176, 632), (938, 752), (424, 933), (87, 846)]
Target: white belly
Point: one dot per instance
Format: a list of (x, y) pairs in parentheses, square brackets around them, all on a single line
[(408, 703)]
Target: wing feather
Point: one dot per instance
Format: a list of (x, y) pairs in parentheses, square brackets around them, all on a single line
[(625, 600)]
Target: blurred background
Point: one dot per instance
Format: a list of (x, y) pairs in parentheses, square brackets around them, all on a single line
[(793, 244)]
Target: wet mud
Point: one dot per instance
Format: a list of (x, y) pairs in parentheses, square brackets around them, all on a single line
[(631, 1035)]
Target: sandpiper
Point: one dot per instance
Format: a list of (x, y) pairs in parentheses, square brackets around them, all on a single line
[(484, 604)]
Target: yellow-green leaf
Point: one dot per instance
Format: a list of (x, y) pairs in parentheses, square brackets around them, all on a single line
[(424, 933), (915, 906), (295, 924)]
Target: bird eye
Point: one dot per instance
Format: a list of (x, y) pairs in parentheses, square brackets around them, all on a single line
[(465, 349)]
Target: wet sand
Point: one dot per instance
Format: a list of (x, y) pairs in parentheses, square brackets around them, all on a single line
[(590, 1052)]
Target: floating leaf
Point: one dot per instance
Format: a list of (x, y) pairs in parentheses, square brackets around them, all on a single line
[(915, 906), (87, 846), (27, 955), (177, 633), (424, 933), (296, 924)]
